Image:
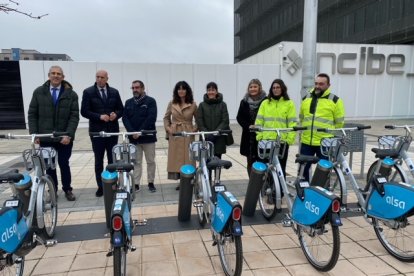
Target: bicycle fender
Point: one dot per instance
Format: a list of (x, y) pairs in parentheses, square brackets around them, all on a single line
[(336, 219), (120, 208), (316, 203), (396, 201), (12, 230), (117, 239), (223, 211)]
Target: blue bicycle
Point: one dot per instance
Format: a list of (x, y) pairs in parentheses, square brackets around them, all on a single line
[(119, 192), (30, 216), (212, 200), (313, 212)]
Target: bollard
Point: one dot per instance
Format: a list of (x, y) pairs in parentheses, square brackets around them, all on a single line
[(185, 196), (109, 187), (253, 188), (386, 166), (321, 175)]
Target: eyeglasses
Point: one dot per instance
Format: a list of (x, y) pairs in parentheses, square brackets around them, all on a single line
[(135, 87)]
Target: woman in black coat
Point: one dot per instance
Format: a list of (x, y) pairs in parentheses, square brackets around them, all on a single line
[(212, 114), (249, 106)]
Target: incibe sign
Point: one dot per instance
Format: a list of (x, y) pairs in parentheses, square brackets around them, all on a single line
[(368, 62)]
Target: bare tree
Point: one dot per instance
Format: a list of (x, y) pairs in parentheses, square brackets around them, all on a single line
[(7, 8)]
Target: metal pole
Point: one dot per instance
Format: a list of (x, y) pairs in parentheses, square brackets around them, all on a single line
[(310, 25)]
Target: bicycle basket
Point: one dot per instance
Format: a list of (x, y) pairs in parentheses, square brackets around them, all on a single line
[(47, 156), (119, 155), (194, 150), (265, 148), (389, 141), (330, 147)]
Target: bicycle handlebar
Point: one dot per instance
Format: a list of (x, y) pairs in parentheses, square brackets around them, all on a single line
[(407, 127), (343, 129), (260, 129), (122, 133), (34, 135), (215, 132)]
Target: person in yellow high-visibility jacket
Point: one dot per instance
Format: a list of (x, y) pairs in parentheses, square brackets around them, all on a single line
[(277, 111), (319, 109)]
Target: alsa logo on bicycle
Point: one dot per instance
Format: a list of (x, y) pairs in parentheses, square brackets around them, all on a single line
[(220, 214), (312, 207), (395, 202), (9, 233)]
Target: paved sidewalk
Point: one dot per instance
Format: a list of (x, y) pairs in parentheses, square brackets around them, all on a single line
[(165, 247)]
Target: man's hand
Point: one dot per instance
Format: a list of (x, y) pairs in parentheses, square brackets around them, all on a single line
[(135, 136), (37, 141), (104, 118), (112, 116), (65, 140)]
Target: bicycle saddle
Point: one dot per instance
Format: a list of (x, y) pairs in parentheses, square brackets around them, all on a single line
[(304, 159), (119, 167), (382, 153), (11, 176), (216, 162)]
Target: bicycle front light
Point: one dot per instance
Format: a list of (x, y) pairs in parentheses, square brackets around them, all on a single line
[(117, 223)]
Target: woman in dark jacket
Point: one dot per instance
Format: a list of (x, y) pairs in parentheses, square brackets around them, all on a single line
[(212, 114), (249, 106)]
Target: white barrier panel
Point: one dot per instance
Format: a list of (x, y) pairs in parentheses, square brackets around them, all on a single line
[(159, 80)]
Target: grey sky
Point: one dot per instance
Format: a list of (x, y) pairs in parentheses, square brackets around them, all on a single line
[(159, 31)]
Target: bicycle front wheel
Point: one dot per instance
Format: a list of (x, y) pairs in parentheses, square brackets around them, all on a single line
[(14, 269), (397, 237), (396, 174), (199, 198), (231, 253), (119, 261), (46, 208), (320, 244), (267, 196)]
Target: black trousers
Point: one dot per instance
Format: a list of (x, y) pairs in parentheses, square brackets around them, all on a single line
[(101, 145), (64, 153), (310, 150)]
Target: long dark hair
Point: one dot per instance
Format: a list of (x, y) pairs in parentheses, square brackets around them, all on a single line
[(283, 88), (188, 96)]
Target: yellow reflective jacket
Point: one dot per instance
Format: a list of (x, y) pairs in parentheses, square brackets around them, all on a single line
[(328, 112), (276, 114)]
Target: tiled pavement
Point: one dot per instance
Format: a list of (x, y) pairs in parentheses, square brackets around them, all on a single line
[(269, 249)]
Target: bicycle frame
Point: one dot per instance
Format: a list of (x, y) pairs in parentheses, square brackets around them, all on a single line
[(380, 206), (302, 212)]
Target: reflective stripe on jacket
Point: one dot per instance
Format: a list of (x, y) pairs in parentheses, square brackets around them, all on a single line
[(329, 113), (276, 114)]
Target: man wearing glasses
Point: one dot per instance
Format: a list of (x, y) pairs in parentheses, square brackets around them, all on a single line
[(140, 114), (319, 109)]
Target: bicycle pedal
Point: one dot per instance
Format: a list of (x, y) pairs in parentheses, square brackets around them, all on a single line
[(138, 222), (18, 260), (109, 254), (132, 248), (198, 204), (214, 243), (50, 243), (287, 223)]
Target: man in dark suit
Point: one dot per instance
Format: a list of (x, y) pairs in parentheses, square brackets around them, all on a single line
[(102, 105)]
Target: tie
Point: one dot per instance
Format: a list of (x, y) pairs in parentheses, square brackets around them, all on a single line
[(103, 94), (54, 95)]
